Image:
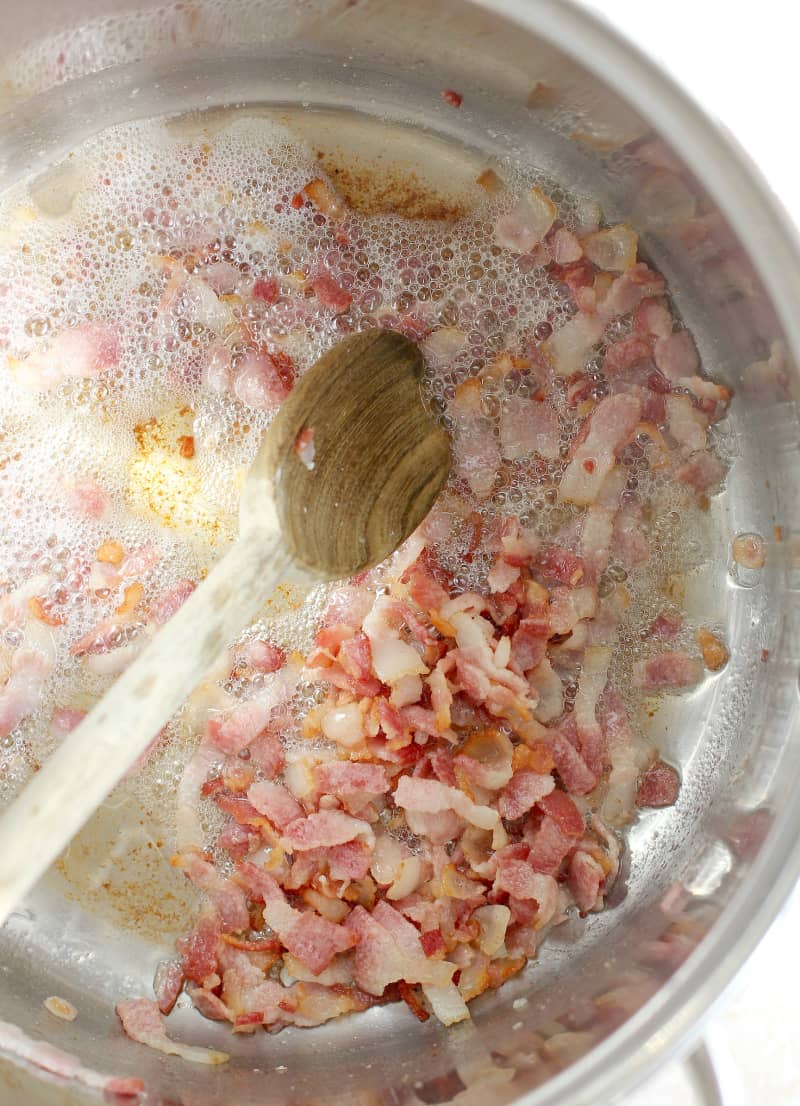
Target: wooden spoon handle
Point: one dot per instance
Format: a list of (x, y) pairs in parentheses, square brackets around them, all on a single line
[(92, 759)]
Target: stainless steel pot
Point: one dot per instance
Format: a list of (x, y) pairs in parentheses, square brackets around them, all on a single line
[(544, 82)]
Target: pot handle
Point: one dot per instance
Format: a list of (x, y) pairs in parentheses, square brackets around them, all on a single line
[(713, 1072)]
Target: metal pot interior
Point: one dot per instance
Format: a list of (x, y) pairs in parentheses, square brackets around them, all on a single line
[(362, 81)]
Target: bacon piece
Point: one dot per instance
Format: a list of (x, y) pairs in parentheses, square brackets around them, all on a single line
[(167, 984), (666, 626), (347, 606), (686, 424), (329, 293), (476, 454), (571, 345), (634, 285), (702, 471), (326, 828), (485, 759), (266, 753), (519, 880), (325, 200), (569, 606), (266, 290), (389, 949), (628, 757), (565, 247), (88, 498), (242, 726), (594, 671), (529, 644), (350, 861), (676, 356), (80, 352), (585, 879), (549, 846), (668, 670), (526, 427), (23, 691), (264, 657), (547, 685), (453, 99), (315, 941), (169, 602), (560, 807), (259, 381), (626, 353), (226, 897), (343, 777), (612, 426), (654, 318), (527, 223), (749, 550), (432, 797), (275, 802), (659, 787), (575, 774), (560, 566), (259, 885), (142, 1021)]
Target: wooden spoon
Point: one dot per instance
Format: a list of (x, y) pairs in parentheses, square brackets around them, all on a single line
[(378, 463)]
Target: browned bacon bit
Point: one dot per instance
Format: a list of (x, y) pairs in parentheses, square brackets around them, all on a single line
[(454, 99), (659, 786), (410, 996), (749, 551), (715, 654), (186, 446), (764, 656)]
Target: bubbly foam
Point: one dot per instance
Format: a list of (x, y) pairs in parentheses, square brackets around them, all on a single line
[(98, 238)]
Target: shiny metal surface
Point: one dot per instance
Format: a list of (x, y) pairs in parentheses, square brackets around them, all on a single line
[(727, 851)]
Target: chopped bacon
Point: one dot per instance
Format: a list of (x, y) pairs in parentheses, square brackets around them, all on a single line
[(519, 880), (560, 566), (242, 726), (88, 498), (659, 786), (575, 774), (143, 1022), (612, 426), (676, 356), (452, 98), (668, 670), (666, 626), (325, 199), (276, 802), (169, 602), (82, 351), (265, 657), (634, 285), (549, 846), (316, 941), (226, 897), (167, 984), (199, 950), (383, 957), (349, 861), (522, 792), (259, 380), (529, 644), (64, 720), (266, 753), (341, 777), (584, 879), (627, 352), (556, 804), (24, 687), (266, 290), (329, 293), (702, 471), (325, 828), (527, 426)]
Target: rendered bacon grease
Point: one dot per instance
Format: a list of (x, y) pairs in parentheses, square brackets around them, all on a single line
[(397, 791)]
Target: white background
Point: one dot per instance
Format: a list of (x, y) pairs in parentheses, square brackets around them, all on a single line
[(741, 62)]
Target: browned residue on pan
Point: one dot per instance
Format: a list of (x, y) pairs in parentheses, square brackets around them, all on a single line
[(376, 189)]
